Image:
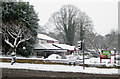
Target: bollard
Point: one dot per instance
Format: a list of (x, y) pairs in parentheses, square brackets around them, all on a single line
[(69, 63), (74, 64)]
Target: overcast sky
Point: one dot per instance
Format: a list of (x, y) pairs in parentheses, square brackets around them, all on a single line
[(104, 13)]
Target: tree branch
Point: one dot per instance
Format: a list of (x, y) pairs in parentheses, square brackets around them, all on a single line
[(9, 43), (22, 40), (10, 34)]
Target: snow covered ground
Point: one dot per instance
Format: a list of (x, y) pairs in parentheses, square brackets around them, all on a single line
[(59, 68), (64, 68), (91, 61)]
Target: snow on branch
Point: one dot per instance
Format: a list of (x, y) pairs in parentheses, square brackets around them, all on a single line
[(9, 43), (17, 31), (22, 40)]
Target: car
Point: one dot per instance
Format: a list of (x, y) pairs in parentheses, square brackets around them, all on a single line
[(95, 55), (86, 55), (54, 56)]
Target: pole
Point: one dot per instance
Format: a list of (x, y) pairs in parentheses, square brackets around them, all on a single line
[(115, 55), (83, 56)]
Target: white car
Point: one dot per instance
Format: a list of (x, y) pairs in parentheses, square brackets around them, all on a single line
[(54, 56), (86, 55)]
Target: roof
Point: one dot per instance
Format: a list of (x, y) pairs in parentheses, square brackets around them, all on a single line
[(45, 46), (64, 46), (45, 37), (49, 47)]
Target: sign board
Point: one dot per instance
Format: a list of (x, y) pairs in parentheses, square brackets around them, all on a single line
[(105, 54)]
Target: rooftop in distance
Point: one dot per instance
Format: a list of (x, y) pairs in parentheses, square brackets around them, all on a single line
[(45, 37)]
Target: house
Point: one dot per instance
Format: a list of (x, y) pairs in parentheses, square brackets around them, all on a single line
[(69, 48), (46, 46), (42, 39)]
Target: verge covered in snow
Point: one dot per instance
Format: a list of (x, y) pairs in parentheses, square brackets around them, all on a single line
[(59, 68)]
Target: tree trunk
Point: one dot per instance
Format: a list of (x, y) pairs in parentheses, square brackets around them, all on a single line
[(13, 54)]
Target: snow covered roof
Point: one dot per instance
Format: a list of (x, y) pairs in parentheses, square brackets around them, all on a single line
[(49, 47), (64, 46), (38, 46), (45, 46), (45, 37)]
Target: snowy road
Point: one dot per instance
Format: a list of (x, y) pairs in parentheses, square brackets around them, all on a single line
[(59, 68)]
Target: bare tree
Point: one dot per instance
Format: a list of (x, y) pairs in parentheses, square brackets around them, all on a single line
[(17, 32), (65, 22), (91, 40), (111, 40), (96, 41), (68, 21)]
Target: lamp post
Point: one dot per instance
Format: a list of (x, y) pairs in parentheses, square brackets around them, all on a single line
[(82, 43), (24, 48), (114, 55), (83, 56)]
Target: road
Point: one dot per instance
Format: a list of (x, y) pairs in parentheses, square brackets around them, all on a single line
[(33, 74)]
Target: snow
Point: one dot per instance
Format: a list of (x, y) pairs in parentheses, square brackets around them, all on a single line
[(48, 47), (59, 68), (9, 57), (54, 56), (45, 46), (45, 37), (65, 68), (72, 58), (65, 46)]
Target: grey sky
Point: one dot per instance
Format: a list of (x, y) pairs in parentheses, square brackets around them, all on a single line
[(104, 13)]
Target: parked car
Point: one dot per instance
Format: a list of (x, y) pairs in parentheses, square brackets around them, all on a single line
[(54, 56), (86, 55), (95, 55)]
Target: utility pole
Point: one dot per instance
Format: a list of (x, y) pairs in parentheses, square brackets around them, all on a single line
[(83, 56), (81, 44), (115, 55)]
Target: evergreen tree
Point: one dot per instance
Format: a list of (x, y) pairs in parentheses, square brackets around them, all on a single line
[(22, 12)]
